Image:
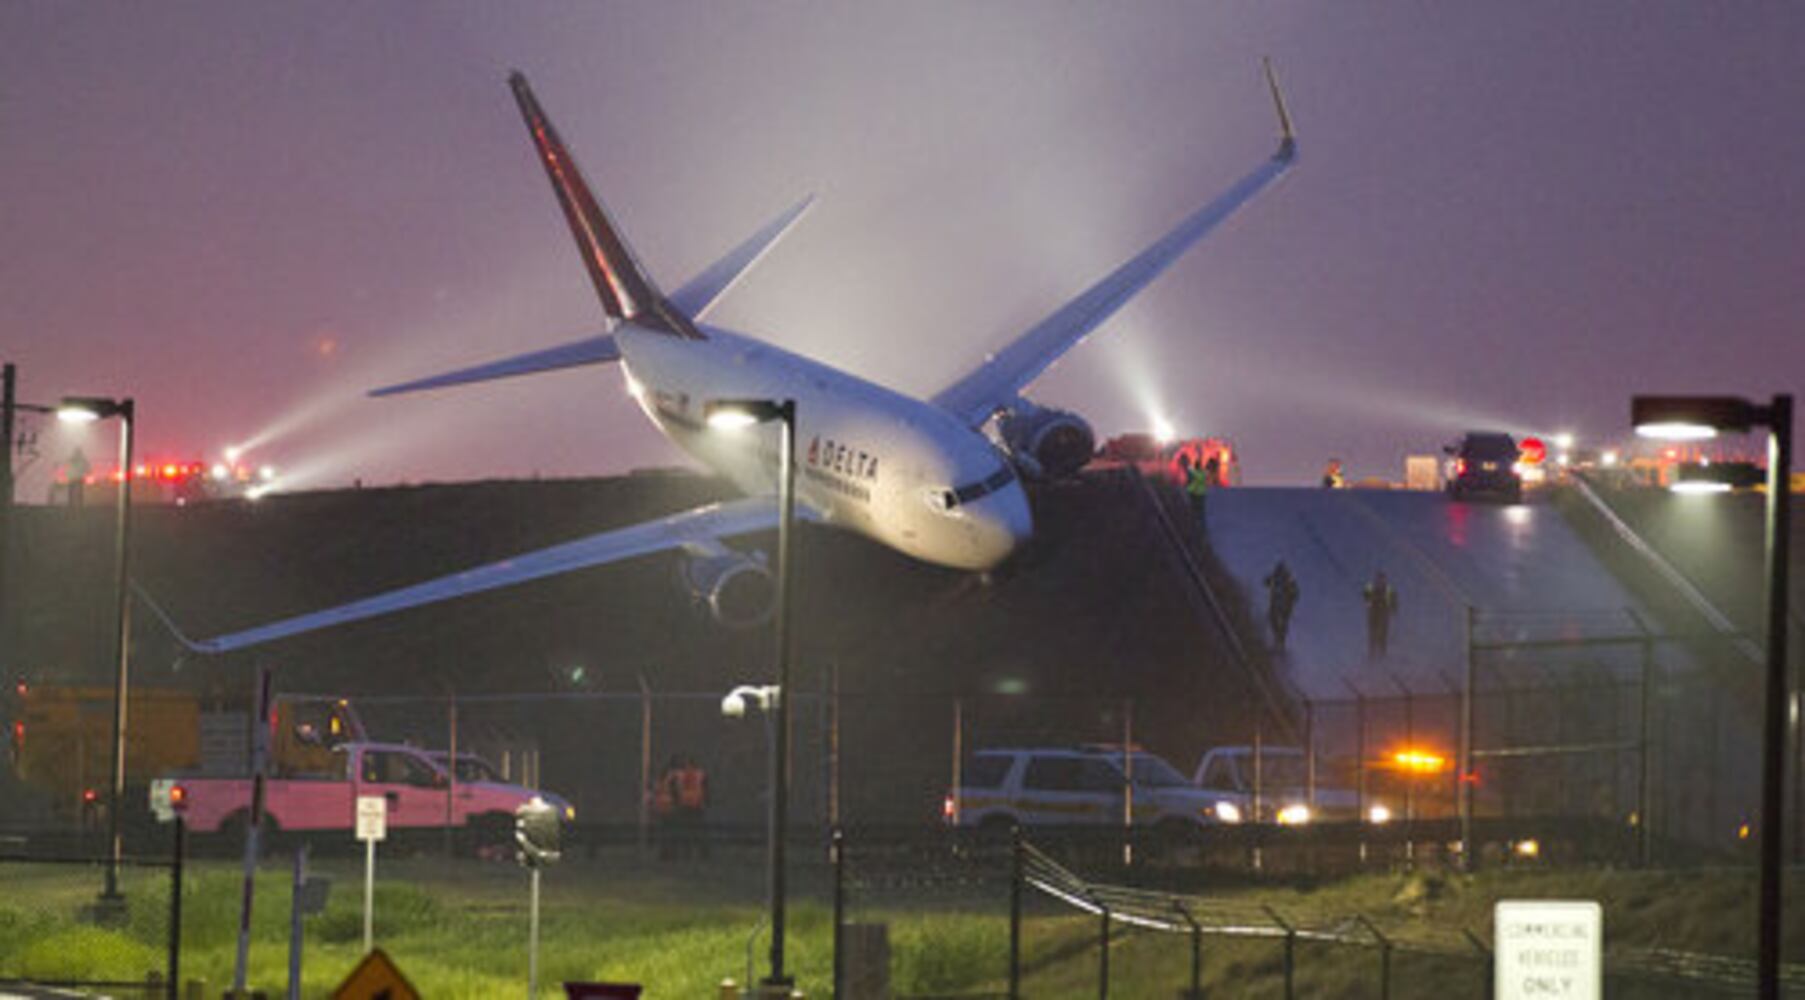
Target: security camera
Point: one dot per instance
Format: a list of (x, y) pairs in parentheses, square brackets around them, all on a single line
[(734, 706)]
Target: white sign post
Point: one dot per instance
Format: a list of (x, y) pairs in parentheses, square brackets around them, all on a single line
[(372, 825), (1548, 949)]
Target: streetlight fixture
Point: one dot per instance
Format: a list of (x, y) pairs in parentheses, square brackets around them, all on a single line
[(1696, 418), (82, 410), (728, 414)]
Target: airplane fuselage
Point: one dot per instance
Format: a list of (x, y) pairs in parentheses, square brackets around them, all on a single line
[(898, 470)]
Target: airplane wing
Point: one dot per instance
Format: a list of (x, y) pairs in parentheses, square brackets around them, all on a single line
[(996, 382), (698, 531)]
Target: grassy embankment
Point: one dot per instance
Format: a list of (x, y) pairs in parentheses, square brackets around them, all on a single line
[(459, 930)]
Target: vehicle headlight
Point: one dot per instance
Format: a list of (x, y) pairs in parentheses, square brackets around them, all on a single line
[(1228, 812), (1295, 814), (1378, 814)]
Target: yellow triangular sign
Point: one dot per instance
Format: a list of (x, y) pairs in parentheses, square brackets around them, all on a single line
[(376, 978)]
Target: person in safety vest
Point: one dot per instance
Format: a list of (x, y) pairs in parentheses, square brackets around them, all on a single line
[(664, 809), (688, 784), (1198, 480)]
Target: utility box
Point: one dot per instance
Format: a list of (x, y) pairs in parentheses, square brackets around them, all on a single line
[(867, 965), (1422, 472)]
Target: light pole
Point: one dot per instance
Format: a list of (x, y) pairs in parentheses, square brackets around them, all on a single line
[(763, 697), (86, 409), (728, 414), (1696, 418)]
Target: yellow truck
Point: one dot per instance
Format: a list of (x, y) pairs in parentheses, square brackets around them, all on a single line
[(61, 741)]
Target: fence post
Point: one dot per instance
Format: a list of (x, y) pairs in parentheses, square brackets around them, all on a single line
[(1103, 951), (1360, 766), (1127, 782), (253, 830), (1645, 836), (839, 860), (1465, 777), (295, 941), (958, 759), (451, 773), (833, 745), (175, 906), (1015, 911), (1196, 992), (1485, 965), (1384, 956), (1290, 950), (1256, 818), (645, 766), (1310, 755), (1410, 778)]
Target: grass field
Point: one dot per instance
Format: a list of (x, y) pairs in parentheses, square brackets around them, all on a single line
[(459, 929)]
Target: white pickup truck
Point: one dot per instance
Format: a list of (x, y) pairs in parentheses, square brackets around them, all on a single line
[(1278, 778), (419, 792)]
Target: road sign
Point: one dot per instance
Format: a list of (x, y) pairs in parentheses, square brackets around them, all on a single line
[(376, 978), (372, 817), (1548, 949)]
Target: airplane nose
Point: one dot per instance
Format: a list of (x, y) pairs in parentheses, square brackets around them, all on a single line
[(1007, 521)]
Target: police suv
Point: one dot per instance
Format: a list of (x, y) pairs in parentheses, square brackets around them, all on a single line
[(1090, 785)]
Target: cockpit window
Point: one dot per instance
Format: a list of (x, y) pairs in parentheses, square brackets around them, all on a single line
[(972, 491)]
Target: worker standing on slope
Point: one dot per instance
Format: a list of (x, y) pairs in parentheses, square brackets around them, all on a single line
[(1281, 598), (1381, 604), (1198, 480)]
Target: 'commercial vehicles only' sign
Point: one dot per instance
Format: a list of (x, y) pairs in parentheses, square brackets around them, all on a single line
[(1548, 949)]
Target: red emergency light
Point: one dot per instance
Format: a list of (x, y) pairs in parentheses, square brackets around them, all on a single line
[(1533, 451)]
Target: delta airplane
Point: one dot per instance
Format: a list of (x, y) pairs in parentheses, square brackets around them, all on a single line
[(938, 479)]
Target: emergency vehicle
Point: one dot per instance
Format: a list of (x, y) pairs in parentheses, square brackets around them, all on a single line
[(1167, 460), (1049, 786), (165, 481)]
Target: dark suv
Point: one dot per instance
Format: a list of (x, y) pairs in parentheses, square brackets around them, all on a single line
[(1485, 464)]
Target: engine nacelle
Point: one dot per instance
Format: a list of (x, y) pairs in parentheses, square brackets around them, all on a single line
[(1047, 443), (737, 589)]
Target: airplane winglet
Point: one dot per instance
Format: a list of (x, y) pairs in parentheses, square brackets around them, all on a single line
[(169, 623), (1287, 137)]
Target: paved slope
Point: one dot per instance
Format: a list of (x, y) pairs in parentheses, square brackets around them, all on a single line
[(1523, 567)]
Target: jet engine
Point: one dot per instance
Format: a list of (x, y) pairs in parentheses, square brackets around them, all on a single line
[(737, 589), (1047, 443)]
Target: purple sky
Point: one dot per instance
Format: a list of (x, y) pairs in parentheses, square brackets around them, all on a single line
[(1514, 215)]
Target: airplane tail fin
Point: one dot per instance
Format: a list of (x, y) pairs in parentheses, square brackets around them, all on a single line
[(627, 291)]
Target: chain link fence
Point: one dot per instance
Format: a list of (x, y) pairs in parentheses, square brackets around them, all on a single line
[(1023, 906), (1618, 737), (59, 928)]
